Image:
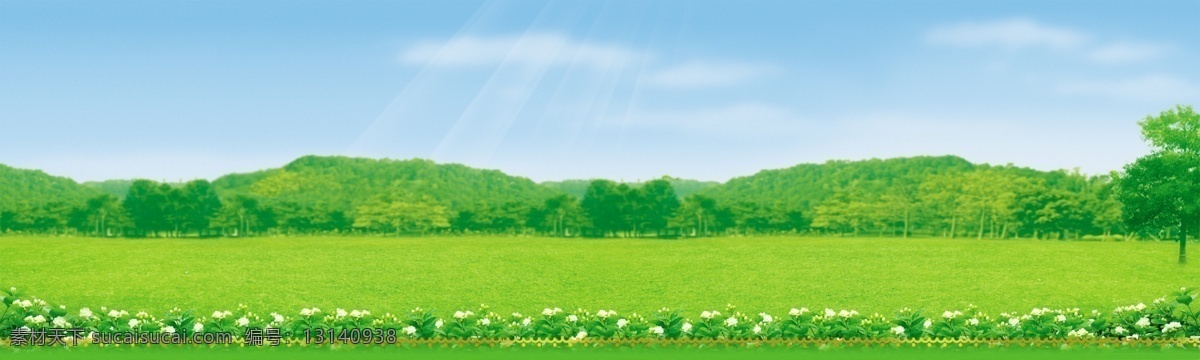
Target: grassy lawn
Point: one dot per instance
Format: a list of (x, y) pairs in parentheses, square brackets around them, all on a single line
[(527, 274)]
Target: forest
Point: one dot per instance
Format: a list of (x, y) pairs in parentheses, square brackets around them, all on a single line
[(1155, 197), (916, 196)]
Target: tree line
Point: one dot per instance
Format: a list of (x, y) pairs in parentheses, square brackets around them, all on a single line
[(944, 196), (978, 201)]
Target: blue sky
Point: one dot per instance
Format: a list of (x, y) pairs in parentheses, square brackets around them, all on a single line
[(623, 89)]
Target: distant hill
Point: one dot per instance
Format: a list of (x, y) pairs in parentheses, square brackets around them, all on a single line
[(344, 182), (20, 187), (119, 187), (683, 187), (805, 185)]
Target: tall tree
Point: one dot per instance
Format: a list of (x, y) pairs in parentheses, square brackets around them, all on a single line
[(199, 203), (658, 203), (102, 212), (562, 213), (147, 205), (605, 205), (698, 211), (1162, 190)]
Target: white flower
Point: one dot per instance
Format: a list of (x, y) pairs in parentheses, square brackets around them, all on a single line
[(794, 312), (766, 318), (621, 323), (340, 313), (972, 321), (706, 315), (602, 313), (657, 330), (1014, 321), (1119, 330), (1060, 318), (572, 318), (1140, 307), (85, 313), (898, 330), (306, 312), (829, 313), (582, 334), (243, 321), (757, 329), (1134, 336), (687, 327), (114, 313), (278, 319), (928, 323), (134, 322), (142, 315), (1143, 322), (1171, 326), (1036, 312), (731, 321), (844, 313), (356, 314), (485, 321), (410, 330), (438, 324), (460, 315), (1078, 333), (951, 314), (221, 314), (60, 322), (168, 329), (35, 319), (23, 303), (198, 327)]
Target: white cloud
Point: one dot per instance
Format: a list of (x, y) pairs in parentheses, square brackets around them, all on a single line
[(1124, 52), (706, 74), (1009, 33), (736, 119), (534, 49), (1145, 88)]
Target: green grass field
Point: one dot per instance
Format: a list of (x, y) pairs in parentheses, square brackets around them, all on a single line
[(527, 274)]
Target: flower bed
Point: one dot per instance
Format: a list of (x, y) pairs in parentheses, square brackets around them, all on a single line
[(1166, 320)]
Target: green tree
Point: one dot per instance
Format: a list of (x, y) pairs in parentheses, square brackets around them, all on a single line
[(103, 212), (1162, 190), (147, 206), (657, 203), (401, 213), (606, 206), (198, 204), (245, 214), (562, 213), (698, 212)]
